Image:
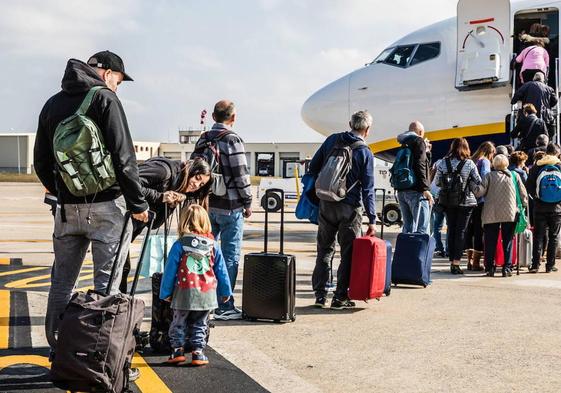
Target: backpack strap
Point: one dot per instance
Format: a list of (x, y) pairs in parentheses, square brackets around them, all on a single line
[(357, 144), (85, 105)]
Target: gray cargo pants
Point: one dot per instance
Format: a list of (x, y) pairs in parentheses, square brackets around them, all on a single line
[(71, 240), (336, 219)]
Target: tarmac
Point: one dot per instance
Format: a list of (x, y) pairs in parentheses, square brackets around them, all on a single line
[(460, 334)]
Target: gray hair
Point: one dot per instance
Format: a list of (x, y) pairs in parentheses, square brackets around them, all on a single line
[(539, 77), (500, 162), (542, 140), (361, 120)]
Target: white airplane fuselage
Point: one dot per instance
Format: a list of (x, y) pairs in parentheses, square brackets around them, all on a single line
[(427, 92)]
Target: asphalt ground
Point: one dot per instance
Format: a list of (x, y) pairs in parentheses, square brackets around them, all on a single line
[(460, 334)]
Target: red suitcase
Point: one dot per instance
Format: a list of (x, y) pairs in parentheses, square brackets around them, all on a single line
[(499, 253), (368, 268)]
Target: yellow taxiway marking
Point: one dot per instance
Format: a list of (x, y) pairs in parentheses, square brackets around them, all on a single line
[(4, 320), (7, 361), (26, 270), (31, 282), (148, 381), (86, 289), (5, 261)]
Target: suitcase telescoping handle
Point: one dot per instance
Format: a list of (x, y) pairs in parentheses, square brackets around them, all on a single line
[(151, 217), (281, 192)]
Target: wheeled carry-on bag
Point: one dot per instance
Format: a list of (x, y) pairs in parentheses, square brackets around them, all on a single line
[(368, 268), (525, 244), (96, 337), (269, 279), (388, 283), (412, 260)]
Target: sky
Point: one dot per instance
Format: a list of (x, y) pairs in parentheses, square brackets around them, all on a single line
[(267, 56)]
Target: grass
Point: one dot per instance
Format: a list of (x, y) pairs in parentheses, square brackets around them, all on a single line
[(18, 178)]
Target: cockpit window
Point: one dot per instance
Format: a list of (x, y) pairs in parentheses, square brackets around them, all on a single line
[(426, 52), (400, 56), (408, 55), (383, 56)]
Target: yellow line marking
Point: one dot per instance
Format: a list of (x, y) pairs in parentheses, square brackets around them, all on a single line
[(30, 282), (26, 270), (440, 135), (148, 381), (4, 320), (42, 361), (86, 289), (5, 261)]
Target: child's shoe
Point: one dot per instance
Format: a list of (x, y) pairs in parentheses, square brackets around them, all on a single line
[(177, 356), (198, 358)]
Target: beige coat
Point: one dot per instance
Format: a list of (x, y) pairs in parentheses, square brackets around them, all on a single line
[(500, 197)]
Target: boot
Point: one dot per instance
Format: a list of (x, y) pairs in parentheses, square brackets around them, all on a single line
[(477, 267), (469, 254)]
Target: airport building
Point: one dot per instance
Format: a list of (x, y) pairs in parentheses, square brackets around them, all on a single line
[(264, 159)]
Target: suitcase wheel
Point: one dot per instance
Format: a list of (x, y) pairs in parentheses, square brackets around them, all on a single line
[(424, 285), (389, 292), (276, 321), (293, 318)]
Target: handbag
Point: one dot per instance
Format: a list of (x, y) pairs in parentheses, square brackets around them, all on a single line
[(521, 220), (154, 259)]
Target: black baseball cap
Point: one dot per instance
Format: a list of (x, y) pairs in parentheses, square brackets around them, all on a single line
[(109, 61)]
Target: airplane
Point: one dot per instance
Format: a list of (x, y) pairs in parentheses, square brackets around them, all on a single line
[(454, 76)]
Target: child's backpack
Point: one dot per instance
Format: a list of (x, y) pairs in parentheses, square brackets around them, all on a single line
[(196, 261), (402, 176), (208, 150), (548, 184), (453, 190), (82, 159), (331, 183)]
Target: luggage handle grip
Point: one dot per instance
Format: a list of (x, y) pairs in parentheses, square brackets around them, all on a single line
[(267, 192)]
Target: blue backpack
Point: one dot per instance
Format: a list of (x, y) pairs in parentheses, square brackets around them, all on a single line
[(402, 176), (548, 185)]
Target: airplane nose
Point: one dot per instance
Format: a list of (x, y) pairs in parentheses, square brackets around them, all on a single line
[(327, 110)]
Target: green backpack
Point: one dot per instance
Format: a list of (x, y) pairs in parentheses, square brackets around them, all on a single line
[(83, 161)]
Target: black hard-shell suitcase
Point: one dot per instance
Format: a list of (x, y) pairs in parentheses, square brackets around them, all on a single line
[(96, 338), (269, 279)]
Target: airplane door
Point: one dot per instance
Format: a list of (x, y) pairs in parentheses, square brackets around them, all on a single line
[(484, 45)]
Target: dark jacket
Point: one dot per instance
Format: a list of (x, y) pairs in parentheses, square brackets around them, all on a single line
[(532, 152), (158, 175), (528, 128), (235, 171), (107, 112), (539, 206), (421, 159), (539, 94), (362, 170)]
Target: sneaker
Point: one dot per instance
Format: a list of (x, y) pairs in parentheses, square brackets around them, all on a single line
[(550, 269), (227, 315), (533, 269), (177, 356), (455, 269), (320, 302), (134, 374), (338, 304), (198, 358), (507, 272)]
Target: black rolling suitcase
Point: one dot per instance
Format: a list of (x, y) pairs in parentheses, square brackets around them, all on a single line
[(162, 314), (96, 338), (269, 280)]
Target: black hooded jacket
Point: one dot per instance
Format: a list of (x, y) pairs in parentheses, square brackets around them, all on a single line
[(107, 112)]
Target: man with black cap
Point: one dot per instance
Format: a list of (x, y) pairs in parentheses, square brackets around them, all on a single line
[(96, 218)]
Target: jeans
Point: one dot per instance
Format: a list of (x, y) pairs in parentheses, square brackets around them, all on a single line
[(437, 222), (545, 224), (457, 219), (344, 221), (229, 230), (190, 324), (415, 211), (491, 235), (71, 240)]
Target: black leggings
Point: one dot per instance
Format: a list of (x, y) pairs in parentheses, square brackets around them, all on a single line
[(457, 219)]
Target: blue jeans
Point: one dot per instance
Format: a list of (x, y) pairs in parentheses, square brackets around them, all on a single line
[(190, 324), (437, 222), (229, 230), (415, 211)]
